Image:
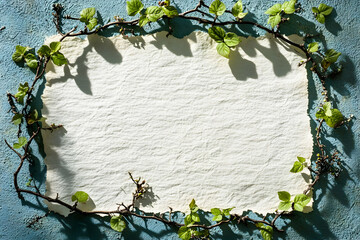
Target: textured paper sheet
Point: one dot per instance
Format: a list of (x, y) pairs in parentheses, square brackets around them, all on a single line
[(190, 122)]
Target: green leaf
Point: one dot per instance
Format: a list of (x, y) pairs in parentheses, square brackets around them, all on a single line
[(92, 23), (44, 51), (55, 46), (274, 20), (34, 117), (331, 55), (133, 7), (117, 223), (86, 14), (320, 114), (301, 159), (184, 233), (231, 39), (216, 211), (325, 9), (193, 207), (22, 91), (143, 20), (80, 196), (31, 60), (313, 47), (223, 50), (320, 18), (170, 11), (274, 10), (288, 7), (327, 109), (17, 57), (226, 211), (238, 9), (302, 199), (265, 231), (19, 53), (297, 167), (58, 59), (188, 220), (284, 206), (217, 33), (217, 7), (284, 196), (195, 217), (315, 10), (153, 13), (335, 119), (217, 218), (17, 118), (22, 141)]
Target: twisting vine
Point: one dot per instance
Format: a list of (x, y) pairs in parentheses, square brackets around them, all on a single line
[(24, 114)]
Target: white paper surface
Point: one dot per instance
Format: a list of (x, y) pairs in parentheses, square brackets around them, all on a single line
[(173, 111)]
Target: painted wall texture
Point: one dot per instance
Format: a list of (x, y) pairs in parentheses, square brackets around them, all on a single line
[(336, 208)]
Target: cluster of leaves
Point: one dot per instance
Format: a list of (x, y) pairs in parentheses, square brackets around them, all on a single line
[(52, 51), (298, 165), (332, 116), (87, 17), (152, 13), (322, 11), (187, 232), (298, 204), (220, 214), (266, 231), (331, 56), (225, 40), (22, 54), (276, 12)]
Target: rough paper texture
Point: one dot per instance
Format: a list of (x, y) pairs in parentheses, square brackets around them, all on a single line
[(190, 122)]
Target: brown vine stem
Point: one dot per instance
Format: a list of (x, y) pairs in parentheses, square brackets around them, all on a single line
[(140, 190)]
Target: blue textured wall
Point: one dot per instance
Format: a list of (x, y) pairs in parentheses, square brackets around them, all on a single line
[(336, 214)]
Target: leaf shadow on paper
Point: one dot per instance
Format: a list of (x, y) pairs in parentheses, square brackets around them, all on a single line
[(104, 47)]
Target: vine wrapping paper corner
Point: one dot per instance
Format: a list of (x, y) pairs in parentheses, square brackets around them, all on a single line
[(192, 123)]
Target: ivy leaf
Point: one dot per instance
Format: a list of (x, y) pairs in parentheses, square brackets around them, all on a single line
[(170, 11), (92, 23), (193, 207), (22, 141), (195, 217), (223, 50), (313, 47), (217, 218), (300, 201), (238, 9), (216, 211), (325, 9), (19, 53), (217, 7), (117, 223), (31, 60), (184, 233), (133, 7), (320, 18), (327, 109), (55, 46), (188, 220), (301, 159), (17, 118), (226, 211), (34, 117), (320, 114), (274, 10), (284, 206), (231, 39), (335, 119), (274, 20), (217, 33), (265, 231), (22, 91), (332, 56), (44, 51), (288, 7), (80, 196), (284, 196), (153, 13), (58, 59), (86, 14), (297, 167), (143, 20)]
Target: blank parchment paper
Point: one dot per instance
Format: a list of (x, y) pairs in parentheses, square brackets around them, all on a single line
[(193, 124)]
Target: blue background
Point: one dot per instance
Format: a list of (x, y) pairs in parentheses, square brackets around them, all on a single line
[(336, 207)]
